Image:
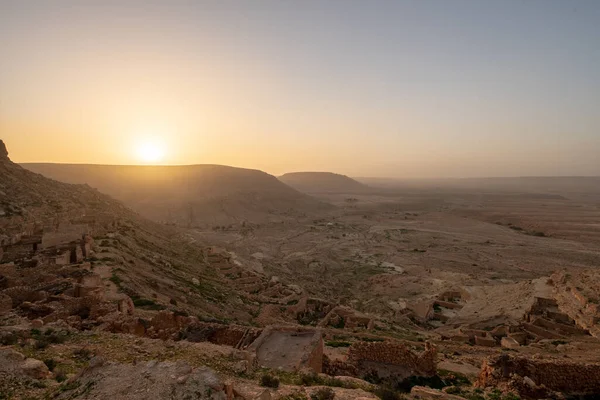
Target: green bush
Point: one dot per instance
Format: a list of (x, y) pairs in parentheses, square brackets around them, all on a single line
[(325, 393), (50, 363), (269, 381), (387, 394), (338, 343)]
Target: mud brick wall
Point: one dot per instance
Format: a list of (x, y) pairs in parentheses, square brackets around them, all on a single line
[(233, 335), (570, 378), (393, 358), (338, 368), (229, 335)]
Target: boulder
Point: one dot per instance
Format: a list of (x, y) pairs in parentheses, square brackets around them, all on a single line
[(509, 343), (15, 363)]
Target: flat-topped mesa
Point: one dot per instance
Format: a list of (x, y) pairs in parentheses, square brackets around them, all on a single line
[(3, 151)]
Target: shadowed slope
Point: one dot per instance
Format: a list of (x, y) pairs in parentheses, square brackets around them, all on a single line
[(191, 195), (322, 182)]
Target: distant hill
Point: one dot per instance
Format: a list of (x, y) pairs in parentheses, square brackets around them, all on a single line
[(323, 182), (191, 195), (535, 184)]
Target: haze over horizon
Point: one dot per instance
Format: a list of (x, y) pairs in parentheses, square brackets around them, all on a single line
[(383, 88)]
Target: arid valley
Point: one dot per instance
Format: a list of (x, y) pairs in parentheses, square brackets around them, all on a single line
[(299, 200), (316, 280)]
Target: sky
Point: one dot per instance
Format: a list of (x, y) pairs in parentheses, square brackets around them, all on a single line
[(427, 88)]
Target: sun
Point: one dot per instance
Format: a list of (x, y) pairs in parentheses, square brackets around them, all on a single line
[(150, 152)]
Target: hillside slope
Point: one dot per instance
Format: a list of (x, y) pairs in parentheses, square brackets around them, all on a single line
[(43, 223), (192, 195), (322, 182)]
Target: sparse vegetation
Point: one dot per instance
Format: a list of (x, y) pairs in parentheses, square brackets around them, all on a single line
[(323, 394), (270, 381), (337, 343), (147, 304)]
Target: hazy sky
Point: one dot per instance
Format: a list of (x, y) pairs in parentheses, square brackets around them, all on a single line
[(368, 88)]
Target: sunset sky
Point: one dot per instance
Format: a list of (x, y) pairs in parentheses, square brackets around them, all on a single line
[(366, 88)]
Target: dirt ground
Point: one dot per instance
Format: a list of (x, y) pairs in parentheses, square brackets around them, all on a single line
[(377, 252)]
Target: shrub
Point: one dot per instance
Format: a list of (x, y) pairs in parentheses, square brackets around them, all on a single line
[(295, 395), (338, 343), (323, 394), (60, 375), (147, 303), (50, 363), (453, 390), (83, 354), (8, 339), (41, 343), (387, 394), (115, 279), (269, 381)]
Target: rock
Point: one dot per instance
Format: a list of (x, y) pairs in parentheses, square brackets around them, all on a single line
[(35, 369), (265, 395), (423, 392), (529, 382), (229, 390), (13, 362), (356, 381), (96, 362), (509, 343), (5, 303), (3, 151), (151, 380), (297, 289), (240, 367), (195, 281)]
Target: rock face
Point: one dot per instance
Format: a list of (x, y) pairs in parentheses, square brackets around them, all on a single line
[(156, 380), (575, 303), (289, 349), (3, 151)]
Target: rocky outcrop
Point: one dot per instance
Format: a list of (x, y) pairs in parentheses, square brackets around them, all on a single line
[(15, 363), (289, 348), (573, 302), (3, 151), (157, 380), (536, 378)]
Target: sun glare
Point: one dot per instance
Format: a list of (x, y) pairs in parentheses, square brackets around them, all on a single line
[(150, 152)]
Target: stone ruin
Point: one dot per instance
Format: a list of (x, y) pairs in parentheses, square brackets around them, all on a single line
[(546, 318), (346, 318), (289, 349), (389, 361), (540, 378), (574, 303), (392, 360)]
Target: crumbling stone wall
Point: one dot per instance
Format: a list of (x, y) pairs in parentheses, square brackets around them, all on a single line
[(338, 367), (392, 360), (289, 348), (228, 335), (573, 303), (567, 377)]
